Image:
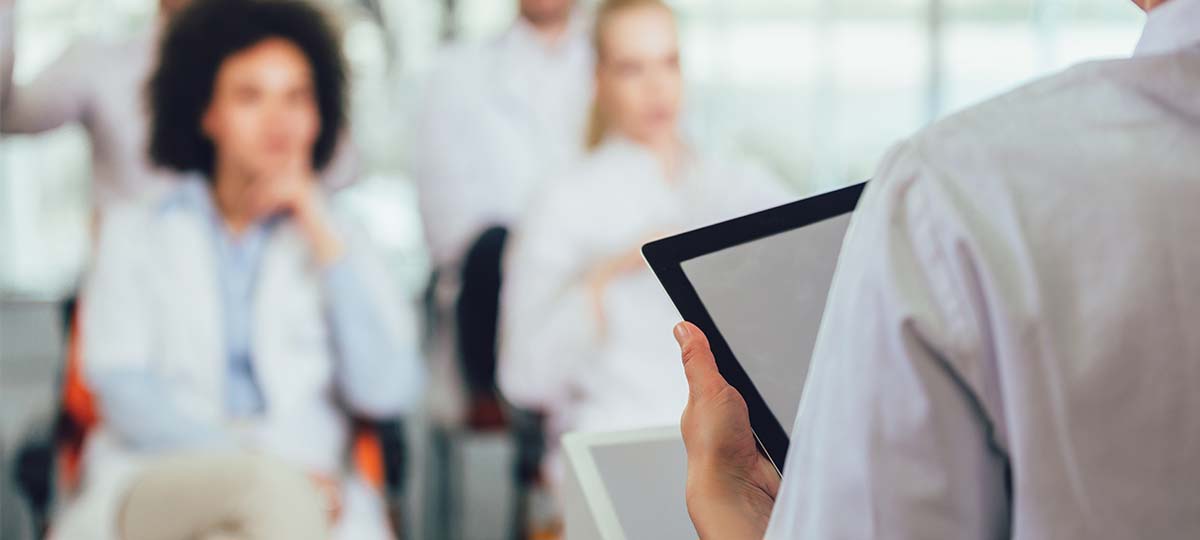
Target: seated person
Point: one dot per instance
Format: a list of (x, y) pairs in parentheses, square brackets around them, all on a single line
[(580, 309), (238, 314)]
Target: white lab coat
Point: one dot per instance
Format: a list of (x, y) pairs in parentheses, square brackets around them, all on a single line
[(552, 357), (169, 314), (1016, 302), (499, 118)]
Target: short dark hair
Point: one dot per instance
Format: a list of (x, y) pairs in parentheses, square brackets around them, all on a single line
[(206, 33)]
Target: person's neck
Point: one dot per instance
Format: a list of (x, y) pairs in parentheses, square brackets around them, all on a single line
[(550, 33), (669, 151), (229, 187)]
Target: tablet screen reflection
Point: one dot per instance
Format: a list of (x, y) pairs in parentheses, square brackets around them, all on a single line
[(766, 298)]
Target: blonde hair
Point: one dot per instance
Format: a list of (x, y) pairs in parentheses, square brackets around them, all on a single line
[(605, 13)]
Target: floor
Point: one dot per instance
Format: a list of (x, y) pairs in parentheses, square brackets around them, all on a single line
[(29, 358)]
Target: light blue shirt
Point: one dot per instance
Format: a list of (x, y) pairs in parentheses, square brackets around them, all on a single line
[(136, 403), (238, 259)]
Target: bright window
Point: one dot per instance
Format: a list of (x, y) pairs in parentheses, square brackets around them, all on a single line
[(816, 90)]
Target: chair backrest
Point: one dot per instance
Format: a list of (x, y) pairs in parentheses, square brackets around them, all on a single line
[(79, 413)]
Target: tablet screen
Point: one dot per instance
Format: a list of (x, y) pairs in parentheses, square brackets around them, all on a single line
[(626, 469), (766, 298)]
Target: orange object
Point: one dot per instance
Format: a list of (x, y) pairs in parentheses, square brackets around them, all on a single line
[(368, 457), (79, 406), (77, 399)]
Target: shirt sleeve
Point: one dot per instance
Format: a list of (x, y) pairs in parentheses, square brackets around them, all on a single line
[(58, 95), (136, 404), (548, 327), (117, 332), (454, 162), (891, 440), (380, 372)]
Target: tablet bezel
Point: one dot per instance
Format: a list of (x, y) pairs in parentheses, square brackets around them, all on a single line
[(666, 257)]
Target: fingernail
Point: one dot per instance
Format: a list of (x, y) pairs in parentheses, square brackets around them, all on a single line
[(682, 332)]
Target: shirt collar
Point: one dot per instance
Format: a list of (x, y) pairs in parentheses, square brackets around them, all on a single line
[(615, 144), (195, 194), (1172, 25), (523, 35), (192, 193)]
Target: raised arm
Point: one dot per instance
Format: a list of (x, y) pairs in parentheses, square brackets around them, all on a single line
[(58, 95)]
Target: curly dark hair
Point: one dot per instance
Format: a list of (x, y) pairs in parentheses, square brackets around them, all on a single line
[(206, 33)]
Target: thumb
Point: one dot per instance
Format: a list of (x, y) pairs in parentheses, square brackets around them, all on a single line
[(698, 363)]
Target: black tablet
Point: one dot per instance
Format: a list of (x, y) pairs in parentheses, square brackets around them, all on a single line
[(756, 285)]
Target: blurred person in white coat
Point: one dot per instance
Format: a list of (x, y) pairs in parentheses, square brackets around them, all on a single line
[(580, 309), (500, 117), (99, 83), (233, 324)]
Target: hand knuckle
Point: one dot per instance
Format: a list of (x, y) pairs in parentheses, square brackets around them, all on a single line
[(692, 351)]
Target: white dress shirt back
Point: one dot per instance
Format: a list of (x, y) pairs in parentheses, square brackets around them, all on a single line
[(1010, 348)]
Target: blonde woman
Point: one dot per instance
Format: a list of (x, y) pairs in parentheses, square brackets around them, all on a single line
[(582, 318)]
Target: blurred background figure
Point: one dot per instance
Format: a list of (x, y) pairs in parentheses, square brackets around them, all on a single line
[(500, 116), (99, 84), (238, 314), (580, 308)]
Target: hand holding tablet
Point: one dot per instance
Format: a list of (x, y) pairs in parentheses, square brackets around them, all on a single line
[(731, 486), (756, 287)]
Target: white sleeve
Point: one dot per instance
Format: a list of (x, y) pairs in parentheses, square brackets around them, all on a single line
[(118, 329), (381, 372), (57, 96), (891, 439), (547, 326), (117, 323), (450, 167)]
